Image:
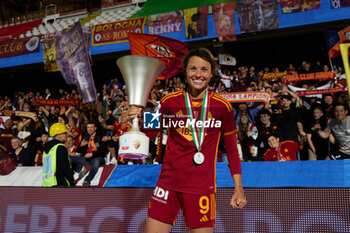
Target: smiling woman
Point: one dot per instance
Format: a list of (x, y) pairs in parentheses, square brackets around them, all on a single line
[(187, 179)]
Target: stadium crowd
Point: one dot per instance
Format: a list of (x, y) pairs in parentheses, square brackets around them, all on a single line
[(289, 127)]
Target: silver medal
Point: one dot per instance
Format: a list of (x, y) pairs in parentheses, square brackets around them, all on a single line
[(198, 158)]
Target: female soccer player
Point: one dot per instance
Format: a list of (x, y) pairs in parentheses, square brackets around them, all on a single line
[(196, 117)]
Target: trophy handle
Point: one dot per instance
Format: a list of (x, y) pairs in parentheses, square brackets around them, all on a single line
[(135, 125)]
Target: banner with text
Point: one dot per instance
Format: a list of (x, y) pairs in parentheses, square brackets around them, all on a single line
[(10, 113), (116, 32), (322, 91), (73, 62), (257, 15), (165, 23), (56, 102), (224, 17), (255, 96), (340, 3), (196, 21), (299, 5), (272, 76), (311, 76), (167, 50), (17, 47)]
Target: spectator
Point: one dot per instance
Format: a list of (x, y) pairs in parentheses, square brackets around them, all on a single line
[(327, 106), (289, 121), (265, 129), (6, 134), (281, 151), (118, 129), (71, 147), (51, 113), (251, 111), (93, 152), (319, 147), (226, 78), (241, 84), (247, 151), (74, 130), (20, 154), (340, 128), (39, 148)]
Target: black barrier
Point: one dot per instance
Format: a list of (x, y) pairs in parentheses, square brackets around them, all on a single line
[(125, 210)]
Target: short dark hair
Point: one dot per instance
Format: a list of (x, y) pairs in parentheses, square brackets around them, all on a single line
[(340, 104), (273, 135), (264, 111), (91, 123), (203, 53)]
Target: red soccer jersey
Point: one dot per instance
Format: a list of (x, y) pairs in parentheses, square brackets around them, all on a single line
[(287, 152), (179, 172), (118, 130)]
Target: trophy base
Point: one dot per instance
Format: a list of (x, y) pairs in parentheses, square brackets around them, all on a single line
[(133, 145), (133, 156)]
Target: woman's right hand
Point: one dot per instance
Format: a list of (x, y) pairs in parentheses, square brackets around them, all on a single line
[(134, 111)]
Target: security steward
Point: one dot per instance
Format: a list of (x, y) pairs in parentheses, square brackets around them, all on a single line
[(57, 169)]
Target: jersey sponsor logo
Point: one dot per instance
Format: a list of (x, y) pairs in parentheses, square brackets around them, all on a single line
[(185, 132), (161, 193)]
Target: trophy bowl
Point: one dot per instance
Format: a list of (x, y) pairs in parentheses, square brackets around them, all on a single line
[(139, 74)]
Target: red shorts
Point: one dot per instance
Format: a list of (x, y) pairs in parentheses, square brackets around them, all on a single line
[(198, 210)]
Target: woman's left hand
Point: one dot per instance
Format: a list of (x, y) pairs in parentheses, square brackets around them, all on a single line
[(238, 200)]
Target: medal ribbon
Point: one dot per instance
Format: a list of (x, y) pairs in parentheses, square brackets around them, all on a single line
[(197, 139)]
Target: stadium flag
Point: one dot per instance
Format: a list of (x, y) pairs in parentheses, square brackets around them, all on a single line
[(335, 37), (340, 3), (196, 21), (258, 15), (224, 17), (49, 50), (344, 49), (165, 23), (167, 50), (73, 62), (227, 60), (49, 55), (289, 6)]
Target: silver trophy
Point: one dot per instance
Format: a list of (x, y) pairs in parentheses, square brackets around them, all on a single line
[(139, 74)]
